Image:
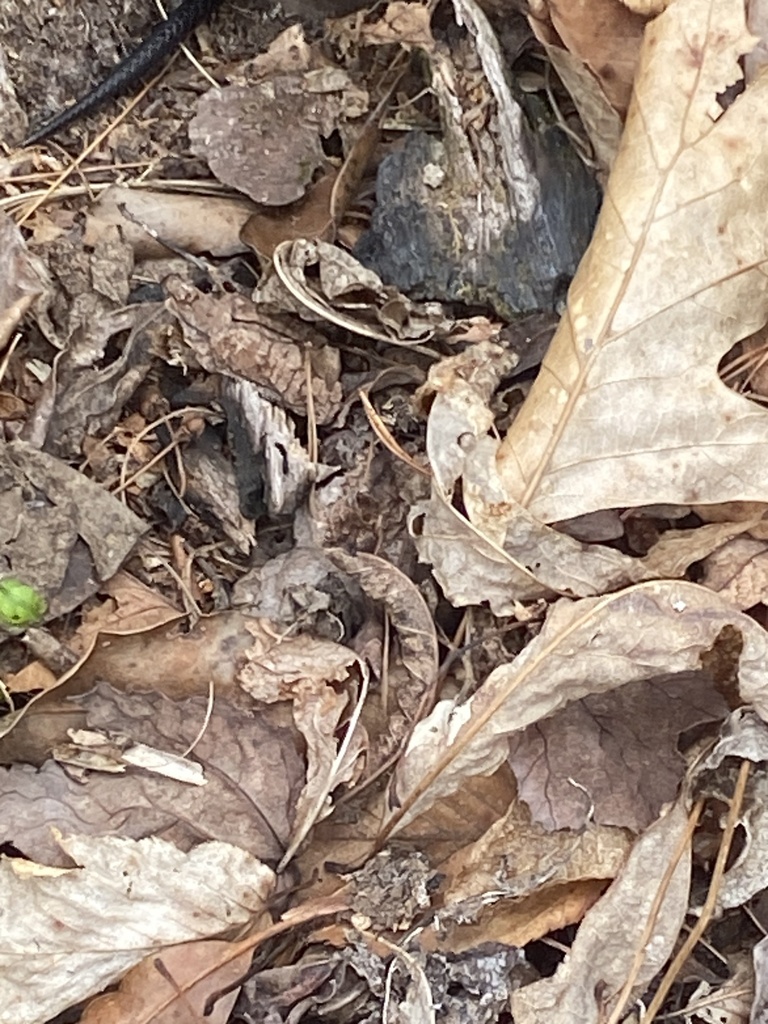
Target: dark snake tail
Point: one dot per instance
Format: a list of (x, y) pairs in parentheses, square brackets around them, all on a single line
[(146, 58)]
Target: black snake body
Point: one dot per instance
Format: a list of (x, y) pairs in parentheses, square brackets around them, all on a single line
[(145, 59)]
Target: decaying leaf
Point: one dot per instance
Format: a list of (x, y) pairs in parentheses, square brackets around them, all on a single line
[(68, 538), (232, 335), (253, 774), (240, 130)]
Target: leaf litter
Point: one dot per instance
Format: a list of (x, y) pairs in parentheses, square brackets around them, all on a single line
[(378, 666)]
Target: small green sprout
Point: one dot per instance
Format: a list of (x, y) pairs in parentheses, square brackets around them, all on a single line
[(20, 604)]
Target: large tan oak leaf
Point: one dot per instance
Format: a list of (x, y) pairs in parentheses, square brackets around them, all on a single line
[(628, 409)]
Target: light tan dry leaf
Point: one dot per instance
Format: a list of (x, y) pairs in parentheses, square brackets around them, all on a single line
[(586, 647), (405, 23), (676, 550), (81, 929), (628, 408), (760, 957), (732, 1002), (610, 935), (515, 923), (498, 552), (194, 223)]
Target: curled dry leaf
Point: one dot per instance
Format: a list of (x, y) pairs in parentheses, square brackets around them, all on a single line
[(611, 934), (497, 551), (406, 606), (743, 736), (350, 295), (628, 408), (591, 646)]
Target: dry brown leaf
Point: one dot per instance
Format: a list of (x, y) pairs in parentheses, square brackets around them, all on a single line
[(173, 987), (588, 980), (230, 334), (133, 608), (604, 34), (411, 617), (628, 408), (302, 669), (70, 537), (586, 647), (308, 217), (612, 758), (254, 775)]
